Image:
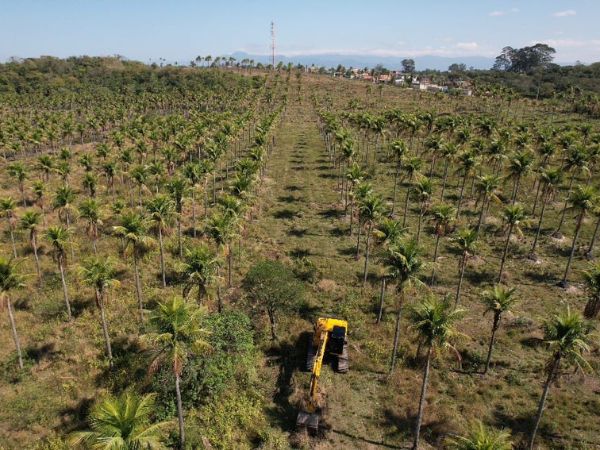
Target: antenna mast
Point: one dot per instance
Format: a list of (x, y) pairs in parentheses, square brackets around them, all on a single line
[(273, 44)]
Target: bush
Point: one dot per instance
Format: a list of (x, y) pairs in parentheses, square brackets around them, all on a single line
[(230, 361)]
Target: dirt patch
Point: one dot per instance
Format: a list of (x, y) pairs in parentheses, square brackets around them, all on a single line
[(326, 285)]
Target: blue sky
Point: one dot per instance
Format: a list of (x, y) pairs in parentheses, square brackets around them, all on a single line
[(178, 30)]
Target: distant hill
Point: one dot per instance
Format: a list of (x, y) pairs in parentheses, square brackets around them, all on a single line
[(391, 62)]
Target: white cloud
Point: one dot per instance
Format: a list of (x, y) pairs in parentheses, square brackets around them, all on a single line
[(468, 46), (566, 13), (498, 13)]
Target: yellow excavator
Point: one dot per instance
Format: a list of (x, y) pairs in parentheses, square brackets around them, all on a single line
[(329, 339)]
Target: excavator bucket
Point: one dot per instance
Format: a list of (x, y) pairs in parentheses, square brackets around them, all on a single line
[(308, 421)]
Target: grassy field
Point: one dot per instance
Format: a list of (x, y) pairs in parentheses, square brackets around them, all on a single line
[(298, 215)]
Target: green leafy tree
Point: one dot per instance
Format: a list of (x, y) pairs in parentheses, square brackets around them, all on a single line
[(123, 423), (497, 302), (10, 280), (567, 335), (178, 334), (273, 288)]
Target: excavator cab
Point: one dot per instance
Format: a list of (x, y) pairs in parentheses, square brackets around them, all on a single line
[(330, 340)]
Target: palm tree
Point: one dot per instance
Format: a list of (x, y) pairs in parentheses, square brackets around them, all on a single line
[(46, 166), (481, 438), (403, 260), (582, 200), (58, 237), (577, 161), (10, 280), (200, 269), (448, 151), (433, 320), (550, 178), (162, 211), (497, 301), (7, 210), (567, 336), (465, 241), (177, 189), (140, 175), (134, 229), (443, 218), (63, 203), (467, 161), (519, 166), (487, 187), (354, 175), (387, 232), (370, 209), (592, 283), (30, 221), (178, 335), (222, 229), (423, 193), (513, 216), (194, 173), (122, 423), (398, 149), (18, 171), (89, 210), (412, 167), (99, 274), (39, 189)]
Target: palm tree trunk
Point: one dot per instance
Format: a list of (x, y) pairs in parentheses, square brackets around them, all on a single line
[(12, 239), (37, 259), (564, 210), (406, 204), (179, 241), (381, 300), (162, 258), (563, 282), (495, 326), (481, 214), (64, 286), (396, 176), (193, 212), (539, 228), (460, 198), (445, 179), (422, 399), (515, 190), (590, 251), (504, 253), (537, 194), (138, 285), (358, 239), (13, 329), (543, 398), (461, 275), (229, 264), (397, 332), (421, 213), (100, 302), (179, 412), (366, 268), (435, 255)]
